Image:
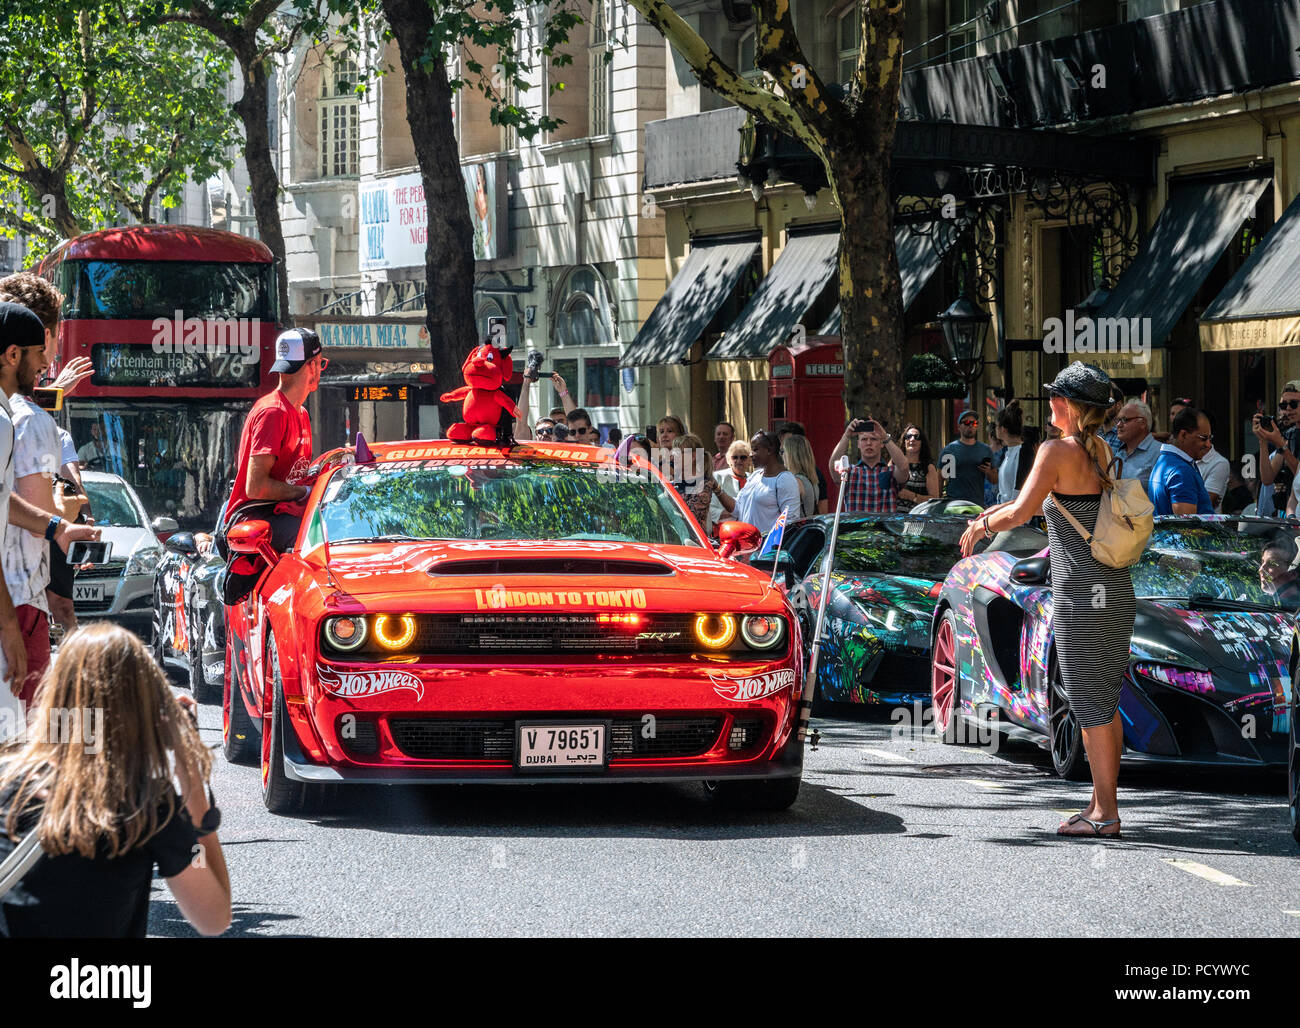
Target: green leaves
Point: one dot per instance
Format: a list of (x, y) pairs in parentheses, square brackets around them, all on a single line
[(101, 113)]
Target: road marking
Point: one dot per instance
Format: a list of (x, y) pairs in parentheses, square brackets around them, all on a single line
[(1293, 913), (984, 784), (1200, 870), (1065, 813), (886, 755)]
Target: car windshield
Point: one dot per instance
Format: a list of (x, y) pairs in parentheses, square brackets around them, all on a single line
[(915, 547), (111, 505), (500, 499), (1228, 561)]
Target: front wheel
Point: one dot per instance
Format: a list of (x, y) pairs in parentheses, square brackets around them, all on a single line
[(280, 794), (766, 794), (203, 692), (945, 686), (1064, 734)]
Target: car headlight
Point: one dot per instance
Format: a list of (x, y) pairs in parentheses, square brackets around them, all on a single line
[(143, 561), (763, 631), (716, 631), (346, 633), (394, 631), (1193, 681)]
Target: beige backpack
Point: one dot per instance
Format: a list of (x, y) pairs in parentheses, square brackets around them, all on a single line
[(1125, 519)]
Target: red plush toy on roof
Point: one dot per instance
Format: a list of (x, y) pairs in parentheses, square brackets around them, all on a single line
[(486, 371)]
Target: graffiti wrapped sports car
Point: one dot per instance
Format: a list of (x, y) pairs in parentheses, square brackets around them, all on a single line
[(189, 618), (884, 585), (1208, 677), (456, 613)]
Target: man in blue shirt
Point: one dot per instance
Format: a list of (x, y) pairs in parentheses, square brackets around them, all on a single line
[(1176, 484), (966, 463)]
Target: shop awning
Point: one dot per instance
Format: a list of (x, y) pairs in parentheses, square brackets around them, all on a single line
[(783, 297), (1199, 220), (918, 260), (707, 277), (1260, 305)]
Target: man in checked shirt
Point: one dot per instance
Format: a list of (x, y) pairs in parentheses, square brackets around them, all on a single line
[(882, 468)]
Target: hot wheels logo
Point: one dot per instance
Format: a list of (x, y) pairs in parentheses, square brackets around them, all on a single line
[(741, 689), (368, 683)]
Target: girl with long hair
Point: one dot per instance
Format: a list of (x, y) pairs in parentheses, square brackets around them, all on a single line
[(1021, 444), (1092, 603), (698, 486), (922, 475), (94, 780), (798, 456)]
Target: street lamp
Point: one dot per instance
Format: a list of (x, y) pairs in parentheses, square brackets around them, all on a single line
[(965, 326)]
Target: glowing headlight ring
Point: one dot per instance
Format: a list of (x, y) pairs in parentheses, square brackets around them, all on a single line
[(770, 643), (720, 639), (395, 642), (346, 645)]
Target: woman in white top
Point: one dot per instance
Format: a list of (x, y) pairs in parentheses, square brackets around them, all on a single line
[(798, 457), (1010, 430), (731, 479), (770, 490)]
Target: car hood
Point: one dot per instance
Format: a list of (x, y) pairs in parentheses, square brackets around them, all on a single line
[(1225, 641), (502, 575), (125, 540), (868, 590)]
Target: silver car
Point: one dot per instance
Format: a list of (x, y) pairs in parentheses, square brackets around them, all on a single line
[(120, 590)]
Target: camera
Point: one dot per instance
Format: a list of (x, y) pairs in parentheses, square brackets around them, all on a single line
[(1266, 422), (533, 364)]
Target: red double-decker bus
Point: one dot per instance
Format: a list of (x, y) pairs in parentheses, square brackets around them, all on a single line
[(179, 324)]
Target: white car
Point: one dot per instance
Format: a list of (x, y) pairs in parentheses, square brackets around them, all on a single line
[(120, 590)]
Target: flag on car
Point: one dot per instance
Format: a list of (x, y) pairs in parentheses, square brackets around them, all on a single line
[(773, 541)]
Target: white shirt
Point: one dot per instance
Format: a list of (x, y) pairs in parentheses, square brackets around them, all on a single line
[(36, 451), (1214, 468), (1007, 490), (761, 501), (11, 712)]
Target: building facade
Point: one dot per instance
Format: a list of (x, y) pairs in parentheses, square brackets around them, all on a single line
[(564, 251)]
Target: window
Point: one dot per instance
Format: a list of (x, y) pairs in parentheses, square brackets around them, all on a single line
[(583, 318), (747, 56), (338, 118), (847, 42), (961, 29), (598, 71)]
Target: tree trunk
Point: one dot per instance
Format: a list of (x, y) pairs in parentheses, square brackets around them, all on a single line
[(253, 110), (449, 247), (871, 295)]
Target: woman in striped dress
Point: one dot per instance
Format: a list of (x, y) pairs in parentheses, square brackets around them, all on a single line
[(1092, 604)]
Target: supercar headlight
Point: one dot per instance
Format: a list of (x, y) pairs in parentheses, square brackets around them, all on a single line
[(394, 631), (763, 631), (716, 631), (346, 633)]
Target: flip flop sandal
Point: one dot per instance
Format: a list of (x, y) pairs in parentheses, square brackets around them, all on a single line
[(1096, 826)]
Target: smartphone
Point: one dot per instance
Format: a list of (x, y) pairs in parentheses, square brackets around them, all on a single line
[(83, 552), (49, 399)]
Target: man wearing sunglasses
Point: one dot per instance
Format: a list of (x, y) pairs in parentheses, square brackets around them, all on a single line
[(1277, 473), (275, 444), (1176, 485)]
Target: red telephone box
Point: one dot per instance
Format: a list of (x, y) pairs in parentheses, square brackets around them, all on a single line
[(807, 385)]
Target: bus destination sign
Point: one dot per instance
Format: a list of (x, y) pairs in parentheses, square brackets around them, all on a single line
[(129, 364)]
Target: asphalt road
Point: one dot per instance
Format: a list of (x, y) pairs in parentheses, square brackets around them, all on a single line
[(893, 834)]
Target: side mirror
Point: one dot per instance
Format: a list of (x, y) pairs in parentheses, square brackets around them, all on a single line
[(1030, 571), (182, 543), (737, 537), (252, 539), (781, 562), (163, 525)]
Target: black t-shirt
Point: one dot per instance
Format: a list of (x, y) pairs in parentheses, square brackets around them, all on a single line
[(68, 896), (822, 493)]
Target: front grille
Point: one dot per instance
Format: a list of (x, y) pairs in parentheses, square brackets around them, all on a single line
[(448, 739), (549, 633), (358, 736), (901, 672), (109, 569), (550, 566)]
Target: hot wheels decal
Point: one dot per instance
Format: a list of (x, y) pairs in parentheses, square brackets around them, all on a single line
[(368, 683), (756, 688)]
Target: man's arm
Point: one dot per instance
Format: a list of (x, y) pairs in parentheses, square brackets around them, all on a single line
[(259, 485), (32, 519), (841, 448), (899, 459), (522, 431), (11, 641), (563, 390)]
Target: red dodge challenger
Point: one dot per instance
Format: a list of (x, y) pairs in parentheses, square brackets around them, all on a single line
[(455, 613)]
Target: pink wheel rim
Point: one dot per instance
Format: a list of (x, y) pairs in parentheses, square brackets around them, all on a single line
[(943, 677)]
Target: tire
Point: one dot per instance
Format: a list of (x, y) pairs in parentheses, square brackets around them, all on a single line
[(1065, 737), (240, 739), (945, 683), (203, 693), (280, 795), (771, 795), (1293, 759)]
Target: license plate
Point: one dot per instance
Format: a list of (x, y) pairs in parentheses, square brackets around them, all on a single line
[(554, 746), (87, 593)]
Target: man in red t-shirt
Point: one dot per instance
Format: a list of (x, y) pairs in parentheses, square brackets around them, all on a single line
[(275, 451)]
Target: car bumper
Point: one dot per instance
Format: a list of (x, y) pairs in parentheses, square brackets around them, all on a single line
[(677, 725), (127, 602)]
